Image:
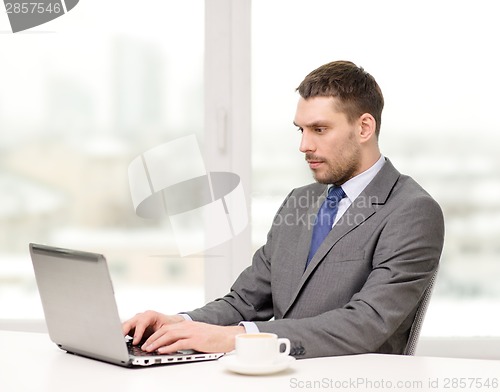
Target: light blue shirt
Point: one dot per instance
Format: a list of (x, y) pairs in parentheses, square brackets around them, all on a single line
[(352, 189), (356, 185)]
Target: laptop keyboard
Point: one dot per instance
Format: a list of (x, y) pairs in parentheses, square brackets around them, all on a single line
[(137, 351)]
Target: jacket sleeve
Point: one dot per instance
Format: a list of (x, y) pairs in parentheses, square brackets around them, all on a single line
[(250, 297)]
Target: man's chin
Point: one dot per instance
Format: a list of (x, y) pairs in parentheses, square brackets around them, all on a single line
[(321, 179)]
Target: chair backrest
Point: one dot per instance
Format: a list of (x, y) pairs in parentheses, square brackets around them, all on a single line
[(411, 345)]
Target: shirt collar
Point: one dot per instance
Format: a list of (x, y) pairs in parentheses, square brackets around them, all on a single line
[(357, 184)]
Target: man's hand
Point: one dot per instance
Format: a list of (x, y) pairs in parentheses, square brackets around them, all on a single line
[(192, 335), (144, 324), (168, 334)]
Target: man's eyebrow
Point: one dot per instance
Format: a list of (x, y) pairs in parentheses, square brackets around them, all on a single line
[(314, 124)]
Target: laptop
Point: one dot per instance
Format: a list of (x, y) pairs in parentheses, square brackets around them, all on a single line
[(81, 313)]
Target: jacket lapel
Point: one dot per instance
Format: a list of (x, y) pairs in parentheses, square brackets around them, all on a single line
[(304, 242)]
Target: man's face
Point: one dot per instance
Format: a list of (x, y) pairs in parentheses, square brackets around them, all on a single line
[(329, 142)]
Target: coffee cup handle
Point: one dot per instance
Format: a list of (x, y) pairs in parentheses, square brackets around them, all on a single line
[(286, 343)]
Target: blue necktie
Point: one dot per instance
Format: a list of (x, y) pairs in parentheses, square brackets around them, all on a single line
[(325, 218)]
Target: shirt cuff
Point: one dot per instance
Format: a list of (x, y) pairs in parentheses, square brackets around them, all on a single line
[(249, 327)]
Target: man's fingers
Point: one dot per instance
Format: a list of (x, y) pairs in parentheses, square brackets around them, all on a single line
[(126, 327), (192, 335), (137, 326), (131, 327), (165, 336), (140, 328), (144, 324), (158, 339), (176, 346)]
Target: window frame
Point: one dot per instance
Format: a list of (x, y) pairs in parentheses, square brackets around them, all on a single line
[(228, 125)]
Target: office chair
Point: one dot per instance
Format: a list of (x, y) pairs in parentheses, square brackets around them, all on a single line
[(419, 318)]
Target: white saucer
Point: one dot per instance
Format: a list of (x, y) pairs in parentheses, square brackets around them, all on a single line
[(231, 362)]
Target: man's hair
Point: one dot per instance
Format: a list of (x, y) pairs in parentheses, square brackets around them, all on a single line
[(356, 91)]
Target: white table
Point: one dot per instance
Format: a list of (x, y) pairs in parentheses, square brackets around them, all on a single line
[(31, 362)]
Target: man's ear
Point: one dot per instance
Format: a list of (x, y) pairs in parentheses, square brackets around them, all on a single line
[(367, 126)]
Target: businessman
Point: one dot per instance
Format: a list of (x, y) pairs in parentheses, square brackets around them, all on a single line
[(347, 258)]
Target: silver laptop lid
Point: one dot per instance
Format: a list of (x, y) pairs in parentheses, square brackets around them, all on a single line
[(78, 302)]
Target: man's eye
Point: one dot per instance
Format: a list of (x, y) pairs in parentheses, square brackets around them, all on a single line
[(319, 130), (300, 130)]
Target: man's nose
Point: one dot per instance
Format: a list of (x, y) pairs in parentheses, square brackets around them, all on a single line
[(306, 143)]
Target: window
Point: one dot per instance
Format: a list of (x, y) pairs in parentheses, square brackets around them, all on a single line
[(77, 105)]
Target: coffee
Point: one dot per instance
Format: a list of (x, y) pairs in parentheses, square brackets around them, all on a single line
[(261, 348)]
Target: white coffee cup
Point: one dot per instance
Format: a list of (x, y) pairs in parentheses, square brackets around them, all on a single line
[(260, 348)]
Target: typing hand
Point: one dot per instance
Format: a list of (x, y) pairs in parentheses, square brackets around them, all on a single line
[(172, 337), (143, 325)]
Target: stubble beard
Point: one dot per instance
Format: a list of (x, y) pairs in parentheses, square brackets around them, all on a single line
[(342, 168)]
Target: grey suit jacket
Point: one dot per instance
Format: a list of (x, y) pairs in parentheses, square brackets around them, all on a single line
[(362, 288)]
